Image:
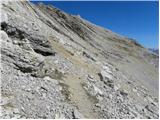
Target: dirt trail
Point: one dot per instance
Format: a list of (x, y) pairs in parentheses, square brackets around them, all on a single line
[(84, 103), (79, 96)]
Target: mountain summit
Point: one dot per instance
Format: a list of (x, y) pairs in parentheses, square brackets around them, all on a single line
[(56, 65)]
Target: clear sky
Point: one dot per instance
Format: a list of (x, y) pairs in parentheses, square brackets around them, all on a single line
[(133, 19)]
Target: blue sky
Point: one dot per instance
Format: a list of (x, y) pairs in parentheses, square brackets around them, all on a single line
[(133, 19)]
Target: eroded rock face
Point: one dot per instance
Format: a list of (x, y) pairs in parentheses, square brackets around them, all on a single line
[(56, 65)]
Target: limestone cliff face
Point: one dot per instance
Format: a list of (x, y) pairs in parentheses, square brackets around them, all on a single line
[(56, 65)]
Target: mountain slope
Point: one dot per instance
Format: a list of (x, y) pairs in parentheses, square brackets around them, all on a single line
[(56, 65)]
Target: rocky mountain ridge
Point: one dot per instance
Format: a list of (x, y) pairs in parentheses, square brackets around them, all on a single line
[(56, 65), (156, 51)]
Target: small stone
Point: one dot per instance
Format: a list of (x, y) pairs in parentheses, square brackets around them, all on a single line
[(97, 105), (123, 93), (77, 114), (134, 90), (59, 116), (97, 90), (116, 87), (110, 96), (90, 76), (100, 98)]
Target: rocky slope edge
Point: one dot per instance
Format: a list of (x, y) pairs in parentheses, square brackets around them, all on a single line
[(56, 65)]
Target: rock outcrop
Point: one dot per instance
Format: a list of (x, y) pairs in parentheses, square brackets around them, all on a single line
[(56, 65)]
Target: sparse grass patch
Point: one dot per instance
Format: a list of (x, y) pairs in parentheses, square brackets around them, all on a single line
[(8, 105)]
